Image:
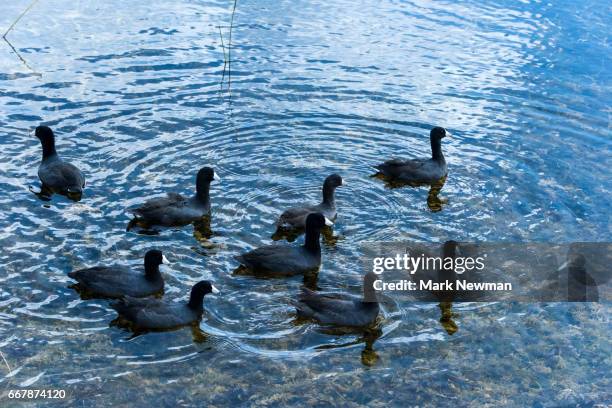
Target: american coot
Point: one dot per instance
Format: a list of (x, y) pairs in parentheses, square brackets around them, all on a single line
[(286, 260), (341, 309), (56, 175), (157, 314), (118, 280), (296, 217), (419, 170), (175, 209)]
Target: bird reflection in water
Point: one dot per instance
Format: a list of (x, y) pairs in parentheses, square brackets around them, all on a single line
[(446, 317), (581, 287), (446, 297), (310, 277), (46, 194), (197, 334), (290, 235), (202, 232), (342, 313), (434, 201), (367, 336)]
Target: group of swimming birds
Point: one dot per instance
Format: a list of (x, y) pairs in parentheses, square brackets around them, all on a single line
[(135, 292)]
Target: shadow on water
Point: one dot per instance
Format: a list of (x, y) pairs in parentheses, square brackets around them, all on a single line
[(434, 201)]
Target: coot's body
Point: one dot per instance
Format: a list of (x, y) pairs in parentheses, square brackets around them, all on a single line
[(117, 280), (157, 314), (175, 210), (57, 176), (172, 210), (285, 260), (340, 309), (418, 171), (295, 218)]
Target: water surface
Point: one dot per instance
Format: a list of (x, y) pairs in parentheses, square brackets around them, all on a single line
[(134, 92)]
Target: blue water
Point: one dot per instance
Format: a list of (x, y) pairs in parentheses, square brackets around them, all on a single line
[(138, 97)]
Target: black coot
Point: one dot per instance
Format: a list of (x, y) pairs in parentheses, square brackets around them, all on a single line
[(57, 176), (118, 280), (341, 309), (157, 314), (425, 170), (286, 260), (295, 217), (175, 209)]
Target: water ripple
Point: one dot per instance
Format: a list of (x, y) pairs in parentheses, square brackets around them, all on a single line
[(133, 92)]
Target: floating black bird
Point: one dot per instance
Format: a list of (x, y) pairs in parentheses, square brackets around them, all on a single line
[(57, 176)]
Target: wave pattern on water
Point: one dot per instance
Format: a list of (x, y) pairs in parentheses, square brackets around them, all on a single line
[(133, 91)]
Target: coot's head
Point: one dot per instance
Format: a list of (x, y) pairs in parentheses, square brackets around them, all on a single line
[(44, 133), (450, 249), (438, 133), (198, 291), (155, 257), (316, 221), (205, 176), (47, 140), (577, 261), (333, 181)]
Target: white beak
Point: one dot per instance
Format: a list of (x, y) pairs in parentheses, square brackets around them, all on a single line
[(165, 260), (215, 177), (328, 222), (214, 290), (448, 134)]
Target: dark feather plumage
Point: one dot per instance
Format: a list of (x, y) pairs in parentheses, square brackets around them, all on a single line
[(174, 210), (336, 309), (57, 176), (159, 314), (118, 280), (418, 171)]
